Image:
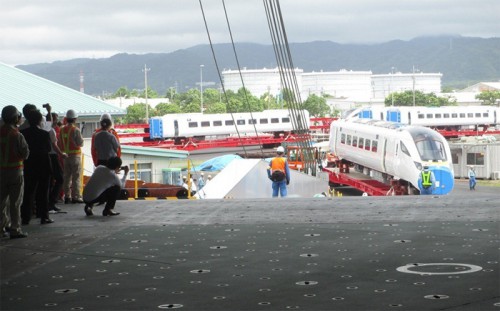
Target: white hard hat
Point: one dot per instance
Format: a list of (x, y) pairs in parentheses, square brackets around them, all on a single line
[(106, 116), (71, 114), (280, 149)]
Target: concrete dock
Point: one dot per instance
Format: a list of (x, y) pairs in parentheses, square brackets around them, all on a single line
[(349, 253)]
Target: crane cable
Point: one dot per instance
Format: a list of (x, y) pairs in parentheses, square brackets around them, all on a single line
[(245, 92), (241, 78), (219, 74), (289, 83)]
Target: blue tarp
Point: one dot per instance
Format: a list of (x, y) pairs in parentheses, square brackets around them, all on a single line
[(216, 164)]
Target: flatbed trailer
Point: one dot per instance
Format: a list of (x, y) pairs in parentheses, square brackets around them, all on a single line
[(343, 174)]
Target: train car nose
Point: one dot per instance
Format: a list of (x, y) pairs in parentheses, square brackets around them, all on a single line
[(444, 179)]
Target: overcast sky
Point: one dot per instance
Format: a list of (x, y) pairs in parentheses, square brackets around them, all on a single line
[(35, 31)]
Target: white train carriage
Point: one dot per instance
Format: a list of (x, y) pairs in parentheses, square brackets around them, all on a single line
[(391, 150), (445, 117), (175, 126)]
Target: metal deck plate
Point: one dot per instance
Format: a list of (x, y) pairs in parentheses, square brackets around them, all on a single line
[(340, 266)]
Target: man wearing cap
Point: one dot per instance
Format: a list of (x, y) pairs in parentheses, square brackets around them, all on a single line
[(70, 142), (279, 172), (13, 150), (472, 178), (108, 143), (427, 181)]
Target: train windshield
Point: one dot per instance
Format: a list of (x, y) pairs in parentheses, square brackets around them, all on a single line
[(429, 144)]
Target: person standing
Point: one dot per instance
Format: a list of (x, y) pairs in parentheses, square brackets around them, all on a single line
[(104, 144), (472, 178), (13, 150), (70, 142), (201, 181), (104, 186), (279, 172), (96, 150), (427, 181), (37, 170), (55, 154)]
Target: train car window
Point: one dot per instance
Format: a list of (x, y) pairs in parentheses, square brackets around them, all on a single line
[(361, 143), (264, 121), (446, 115), (438, 116), (349, 140), (429, 116), (240, 122), (470, 115), (421, 116), (217, 123), (367, 144), (252, 121), (285, 120), (355, 141), (454, 115), (478, 115), (229, 122), (404, 149), (205, 123), (462, 115), (275, 120), (342, 138), (374, 145), (193, 124), (485, 114)]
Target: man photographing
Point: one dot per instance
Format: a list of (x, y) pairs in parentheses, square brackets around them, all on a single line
[(104, 186)]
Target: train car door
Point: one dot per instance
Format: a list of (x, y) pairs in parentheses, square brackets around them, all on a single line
[(384, 154)]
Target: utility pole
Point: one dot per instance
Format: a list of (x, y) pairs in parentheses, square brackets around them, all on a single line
[(413, 76), (146, 90), (390, 87), (201, 88)]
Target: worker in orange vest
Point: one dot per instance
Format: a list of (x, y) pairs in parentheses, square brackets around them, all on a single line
[(70, 142), (13, 150), (279, 172)]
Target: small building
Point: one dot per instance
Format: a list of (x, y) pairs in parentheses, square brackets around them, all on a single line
[(481, 152)]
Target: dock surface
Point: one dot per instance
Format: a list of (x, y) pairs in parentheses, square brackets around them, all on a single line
[(349, 253)]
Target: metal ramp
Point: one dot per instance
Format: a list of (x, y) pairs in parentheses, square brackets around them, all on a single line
[(247, 178)]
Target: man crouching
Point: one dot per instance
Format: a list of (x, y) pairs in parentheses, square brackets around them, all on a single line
[(104, 187)]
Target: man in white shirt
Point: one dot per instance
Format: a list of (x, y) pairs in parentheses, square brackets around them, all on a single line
[(104, 186)]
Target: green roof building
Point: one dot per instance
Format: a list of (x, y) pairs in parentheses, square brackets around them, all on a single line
[(18, 87)]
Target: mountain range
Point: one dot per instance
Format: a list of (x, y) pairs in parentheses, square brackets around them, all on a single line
[(462, 61)]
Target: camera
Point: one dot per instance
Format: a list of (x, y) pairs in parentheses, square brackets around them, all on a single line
[(46, 105), (123, 168)]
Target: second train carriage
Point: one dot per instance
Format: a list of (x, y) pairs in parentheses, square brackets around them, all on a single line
[(391, 150), (445, 117), (175, 126)]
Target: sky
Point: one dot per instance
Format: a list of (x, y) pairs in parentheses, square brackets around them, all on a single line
[(44, 31)]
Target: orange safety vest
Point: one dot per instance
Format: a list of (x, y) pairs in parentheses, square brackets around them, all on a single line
[(278, 164), (66, 140), (8, 159), (93, 151)]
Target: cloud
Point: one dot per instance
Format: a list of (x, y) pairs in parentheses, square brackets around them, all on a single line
[(44, 31)]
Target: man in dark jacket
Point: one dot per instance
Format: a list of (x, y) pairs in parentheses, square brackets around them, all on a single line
[(37, 170)]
